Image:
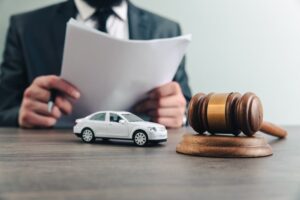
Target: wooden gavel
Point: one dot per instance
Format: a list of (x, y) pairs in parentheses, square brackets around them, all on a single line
[(230, 113)]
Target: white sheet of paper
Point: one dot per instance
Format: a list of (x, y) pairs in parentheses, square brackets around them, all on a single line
[(114, 74)]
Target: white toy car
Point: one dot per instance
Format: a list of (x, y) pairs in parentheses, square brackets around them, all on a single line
[(119, 125)]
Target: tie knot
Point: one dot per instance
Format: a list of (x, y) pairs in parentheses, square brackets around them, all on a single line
[(102, 15)]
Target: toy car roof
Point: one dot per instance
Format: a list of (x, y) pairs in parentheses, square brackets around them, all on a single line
[(110, 111)]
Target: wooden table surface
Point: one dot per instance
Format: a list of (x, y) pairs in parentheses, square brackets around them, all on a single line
[(54, 164)]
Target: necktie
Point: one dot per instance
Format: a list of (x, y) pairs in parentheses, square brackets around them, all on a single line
[(102, 16)]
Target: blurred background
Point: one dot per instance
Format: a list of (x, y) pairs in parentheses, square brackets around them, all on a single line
[(238, 45)]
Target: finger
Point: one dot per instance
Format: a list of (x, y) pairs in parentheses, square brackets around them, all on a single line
[(37, 93), (64, 105), (145, 105), (166, 90), (41, 108), (32, 119), (169, 122), (172, 101), (176, 112), (56, 113), (55, 82), (165, 102)]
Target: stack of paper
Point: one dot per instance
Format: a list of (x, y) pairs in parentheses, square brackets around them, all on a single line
[(114, 74)]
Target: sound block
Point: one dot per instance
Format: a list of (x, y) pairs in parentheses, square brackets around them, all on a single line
[(224, 146)]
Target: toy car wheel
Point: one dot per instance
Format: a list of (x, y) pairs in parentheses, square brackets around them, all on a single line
[(140, 138), (87, 135)]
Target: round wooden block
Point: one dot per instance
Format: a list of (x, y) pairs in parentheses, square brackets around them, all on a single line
[(224, 146)]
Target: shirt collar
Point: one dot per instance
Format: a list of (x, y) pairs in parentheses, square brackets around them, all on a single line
[(86, 11)]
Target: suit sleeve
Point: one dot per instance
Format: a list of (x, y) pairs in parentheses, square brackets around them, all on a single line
[(12, 77), (181, 76)]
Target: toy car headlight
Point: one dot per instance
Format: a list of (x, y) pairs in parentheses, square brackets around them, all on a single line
[(152, 129)]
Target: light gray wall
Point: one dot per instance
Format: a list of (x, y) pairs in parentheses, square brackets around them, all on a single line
[(238, 45)]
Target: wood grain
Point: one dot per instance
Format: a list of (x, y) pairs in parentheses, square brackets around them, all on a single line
[(224, 146), (54, 164), (270, 128)]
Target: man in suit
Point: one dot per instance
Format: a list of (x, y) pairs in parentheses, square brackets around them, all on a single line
[(33, 56)]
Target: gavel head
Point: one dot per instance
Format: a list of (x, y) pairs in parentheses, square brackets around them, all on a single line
[(225, 113)]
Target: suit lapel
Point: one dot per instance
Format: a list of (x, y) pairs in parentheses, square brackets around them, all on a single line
[(138, 22), (66, 11)]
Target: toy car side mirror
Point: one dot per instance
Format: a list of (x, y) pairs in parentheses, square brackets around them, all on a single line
[(122, 121)]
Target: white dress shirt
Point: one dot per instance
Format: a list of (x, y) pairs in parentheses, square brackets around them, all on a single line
[(116, 25)]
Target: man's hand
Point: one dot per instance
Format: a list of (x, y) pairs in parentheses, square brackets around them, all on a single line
[(34, 108), (166, 105)]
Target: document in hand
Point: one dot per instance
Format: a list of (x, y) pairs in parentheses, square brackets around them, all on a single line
[(114, 74)]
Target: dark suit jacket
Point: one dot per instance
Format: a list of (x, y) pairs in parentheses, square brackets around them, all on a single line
[(35, 42)]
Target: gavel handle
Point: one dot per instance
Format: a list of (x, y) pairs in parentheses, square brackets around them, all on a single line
[(273, 129)]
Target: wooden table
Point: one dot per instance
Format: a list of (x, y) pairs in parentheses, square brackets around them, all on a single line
[(54, 164)]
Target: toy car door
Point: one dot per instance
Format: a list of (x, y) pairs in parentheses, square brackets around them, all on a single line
[(99, 124), (116, 128)]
